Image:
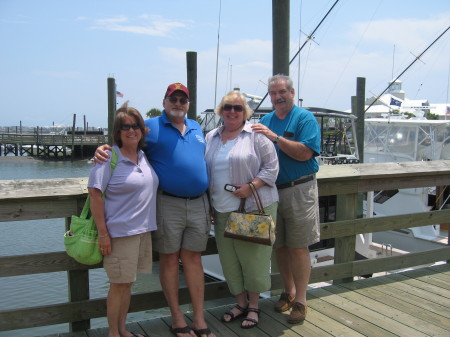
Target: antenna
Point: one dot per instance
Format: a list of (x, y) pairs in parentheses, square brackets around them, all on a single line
[(217, 53), (310, 37), (393, 59), (414, 61)]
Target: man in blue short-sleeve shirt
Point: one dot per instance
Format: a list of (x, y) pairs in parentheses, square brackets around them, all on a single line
[(177, 158), (175, 148), (296, 135)]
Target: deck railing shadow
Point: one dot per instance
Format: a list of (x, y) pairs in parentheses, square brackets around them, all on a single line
[(60, 198)]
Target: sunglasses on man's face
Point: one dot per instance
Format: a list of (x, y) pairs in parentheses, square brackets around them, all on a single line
[(237, 108), (174, 100), (126, 127)]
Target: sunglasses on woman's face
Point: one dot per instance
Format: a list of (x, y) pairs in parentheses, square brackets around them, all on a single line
[(174, 100), (126, 127), (237, 108)]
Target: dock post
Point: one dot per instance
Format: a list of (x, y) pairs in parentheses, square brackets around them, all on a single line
[(111, 106), (280, 36), (191, 62), (73, 137)]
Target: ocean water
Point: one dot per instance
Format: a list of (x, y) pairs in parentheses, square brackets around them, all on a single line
[(39, 236)]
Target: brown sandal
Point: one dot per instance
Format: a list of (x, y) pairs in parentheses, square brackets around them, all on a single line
[(254, 321), (234, 317)]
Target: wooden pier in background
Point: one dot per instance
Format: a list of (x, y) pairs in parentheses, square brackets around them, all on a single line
[(51, 145)]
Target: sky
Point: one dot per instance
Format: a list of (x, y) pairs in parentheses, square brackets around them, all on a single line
[(57, 55)]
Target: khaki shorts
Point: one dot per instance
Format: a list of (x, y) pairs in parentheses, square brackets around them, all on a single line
[(182, 223), (298, 221), (129, 255)]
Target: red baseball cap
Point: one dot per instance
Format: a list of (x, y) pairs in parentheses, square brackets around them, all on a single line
[(176, 87)]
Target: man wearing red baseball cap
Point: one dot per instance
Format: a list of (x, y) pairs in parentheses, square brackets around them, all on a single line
[(175, 148)]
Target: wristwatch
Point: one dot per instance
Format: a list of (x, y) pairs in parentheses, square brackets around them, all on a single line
[(276, 140)]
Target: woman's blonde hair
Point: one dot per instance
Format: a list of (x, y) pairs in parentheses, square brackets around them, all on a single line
[(229, 99)]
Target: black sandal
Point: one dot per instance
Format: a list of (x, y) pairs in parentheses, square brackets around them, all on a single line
[(232, 316), (250, 319)]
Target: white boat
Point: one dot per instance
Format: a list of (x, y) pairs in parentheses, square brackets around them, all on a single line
[(403, 140)]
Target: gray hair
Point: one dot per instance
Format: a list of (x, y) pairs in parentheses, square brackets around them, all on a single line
[(280, 78)]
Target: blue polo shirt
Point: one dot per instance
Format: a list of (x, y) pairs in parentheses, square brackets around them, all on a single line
[(299, 125), (177, 159)]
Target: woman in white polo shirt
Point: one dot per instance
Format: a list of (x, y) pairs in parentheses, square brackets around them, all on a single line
[(127, 214)]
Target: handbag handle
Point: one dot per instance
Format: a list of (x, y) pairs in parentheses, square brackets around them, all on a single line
[(257, 199), (87, 203)]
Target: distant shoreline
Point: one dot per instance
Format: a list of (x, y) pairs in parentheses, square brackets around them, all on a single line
[(15, 159)]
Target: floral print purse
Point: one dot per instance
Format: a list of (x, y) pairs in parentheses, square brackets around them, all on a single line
[(255, 227)]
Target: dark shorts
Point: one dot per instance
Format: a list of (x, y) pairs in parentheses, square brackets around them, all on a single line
[(182, 223)]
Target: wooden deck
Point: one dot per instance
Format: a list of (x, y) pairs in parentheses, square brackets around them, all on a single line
[(412, 303)]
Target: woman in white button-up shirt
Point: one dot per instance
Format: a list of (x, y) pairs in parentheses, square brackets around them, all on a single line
[(236, 155)]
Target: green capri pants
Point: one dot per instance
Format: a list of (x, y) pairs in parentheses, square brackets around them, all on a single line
[(245, 265)]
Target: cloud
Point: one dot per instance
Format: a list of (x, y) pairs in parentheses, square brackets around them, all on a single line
[(152, 25)]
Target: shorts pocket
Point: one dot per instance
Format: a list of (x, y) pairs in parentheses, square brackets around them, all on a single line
[(112, 267), (159, 232)]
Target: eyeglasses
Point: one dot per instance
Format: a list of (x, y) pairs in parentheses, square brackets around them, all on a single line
[(237, 108), (174, 100), (126, 127)]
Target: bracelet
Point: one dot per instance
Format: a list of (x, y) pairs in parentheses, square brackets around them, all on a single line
[(103, 236), (276, 139)]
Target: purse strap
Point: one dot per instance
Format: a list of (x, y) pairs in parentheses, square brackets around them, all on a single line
[(257, 199), (87, 203)]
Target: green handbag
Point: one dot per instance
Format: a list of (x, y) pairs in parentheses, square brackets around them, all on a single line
[(257, 228), (81, 241)]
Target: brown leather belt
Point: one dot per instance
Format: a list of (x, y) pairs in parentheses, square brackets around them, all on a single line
[(296, 182)]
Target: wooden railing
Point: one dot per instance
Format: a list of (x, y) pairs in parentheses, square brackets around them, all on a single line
[(60, 198)]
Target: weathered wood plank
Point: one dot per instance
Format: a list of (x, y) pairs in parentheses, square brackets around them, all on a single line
[(333, 179), (156, 327), (42, 188), (28, 209), (215, 324), (417, 321), (316, 324), (419, 313), (59, 261), (359, 307), (363, 267), (353, 178), (347, 316), (344, 249), (430, 288), (379, 224), (39, 263), (411, 294), (438, 280)]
